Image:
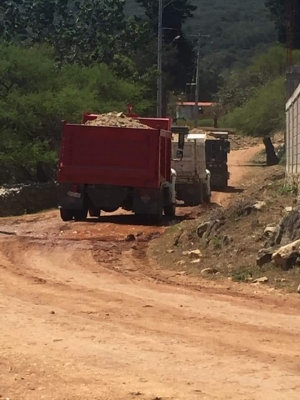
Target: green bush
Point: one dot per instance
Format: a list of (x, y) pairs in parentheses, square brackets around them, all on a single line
[(35, 95), (263, 113)]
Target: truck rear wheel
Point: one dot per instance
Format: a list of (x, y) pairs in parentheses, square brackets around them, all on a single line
[(80, 215), (194, 196), (170, 211), (206, 196), (95, 212), (66, 214)]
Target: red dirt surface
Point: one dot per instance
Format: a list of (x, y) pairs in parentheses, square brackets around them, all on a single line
[(85, 314)]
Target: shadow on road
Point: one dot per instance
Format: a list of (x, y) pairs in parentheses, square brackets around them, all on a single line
[(229, 189), (204, 207), (138, 220)]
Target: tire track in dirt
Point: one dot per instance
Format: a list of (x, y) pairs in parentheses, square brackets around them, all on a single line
[(86, 315)]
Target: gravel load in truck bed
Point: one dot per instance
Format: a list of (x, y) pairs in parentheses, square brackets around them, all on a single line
[(116, 119)]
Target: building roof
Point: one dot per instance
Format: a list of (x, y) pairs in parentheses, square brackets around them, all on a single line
[(192, 103)]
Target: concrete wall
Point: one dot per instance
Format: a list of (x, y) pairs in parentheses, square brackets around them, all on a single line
[(292, 80), (292, 140), (27, 198)]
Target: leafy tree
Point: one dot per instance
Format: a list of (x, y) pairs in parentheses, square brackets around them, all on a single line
[(242, 84), (35, 95), (262, 115), (80, 30), (278, 11)]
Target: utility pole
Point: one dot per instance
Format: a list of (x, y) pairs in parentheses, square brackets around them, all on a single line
[(197, 86), (197, 82), (159, 59)]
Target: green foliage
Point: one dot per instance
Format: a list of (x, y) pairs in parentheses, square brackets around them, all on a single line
[(80, 31), (241, 275), (238, 30), (263, 113), (35, 95), (278, 14), (290, 190), (242, 84)]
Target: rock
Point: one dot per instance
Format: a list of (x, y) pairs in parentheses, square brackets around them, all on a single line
[(259, 205), (170, 251), (209, 271), (195, 253), (180, 262), (298, 289), (287, 255), (203, 228), (227, 240), (192, 253), (196, 261), (264, 256), (280, 280), (288, 209), (130, 238), (269, 231), (264, 279)]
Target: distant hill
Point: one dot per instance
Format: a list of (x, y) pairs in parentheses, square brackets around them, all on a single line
[(238, 28)]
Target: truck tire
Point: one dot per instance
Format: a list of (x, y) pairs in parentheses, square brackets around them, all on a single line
[(195, 197), (157, 219), (206, 196), (66, 214), (224, 185), (170, 211), (81, 215), (95, 212)]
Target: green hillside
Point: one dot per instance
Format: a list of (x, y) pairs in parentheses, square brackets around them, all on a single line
[(238, 28)]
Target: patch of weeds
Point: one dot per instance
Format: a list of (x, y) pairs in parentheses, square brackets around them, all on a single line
[(289, 190), (217, 242), (283, 160), (241, 276)]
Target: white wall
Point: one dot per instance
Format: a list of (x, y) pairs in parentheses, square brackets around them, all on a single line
[(293, 134)]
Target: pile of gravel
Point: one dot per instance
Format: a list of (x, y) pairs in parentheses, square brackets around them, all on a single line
[(116, 119)]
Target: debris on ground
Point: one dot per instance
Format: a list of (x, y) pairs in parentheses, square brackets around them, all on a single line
[(243, 240), (283, 244), (116, 119), (239, 142)]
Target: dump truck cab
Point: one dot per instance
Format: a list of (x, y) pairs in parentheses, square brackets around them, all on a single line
[(188, 159)]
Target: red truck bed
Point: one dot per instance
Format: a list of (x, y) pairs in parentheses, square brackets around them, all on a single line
[(114, 156)]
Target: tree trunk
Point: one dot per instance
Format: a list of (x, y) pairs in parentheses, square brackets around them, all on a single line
[(40, 173), (26, 175), (215, 122), (271, 157)]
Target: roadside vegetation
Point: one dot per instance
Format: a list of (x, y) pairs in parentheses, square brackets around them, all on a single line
[(59, 59)]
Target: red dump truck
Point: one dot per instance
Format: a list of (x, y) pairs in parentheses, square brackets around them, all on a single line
[(106, 168)]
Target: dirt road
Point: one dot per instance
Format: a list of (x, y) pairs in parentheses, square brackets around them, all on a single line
[(86, 315)]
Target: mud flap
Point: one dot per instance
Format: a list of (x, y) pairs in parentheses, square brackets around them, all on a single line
[(71, 197), (147, 201)]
